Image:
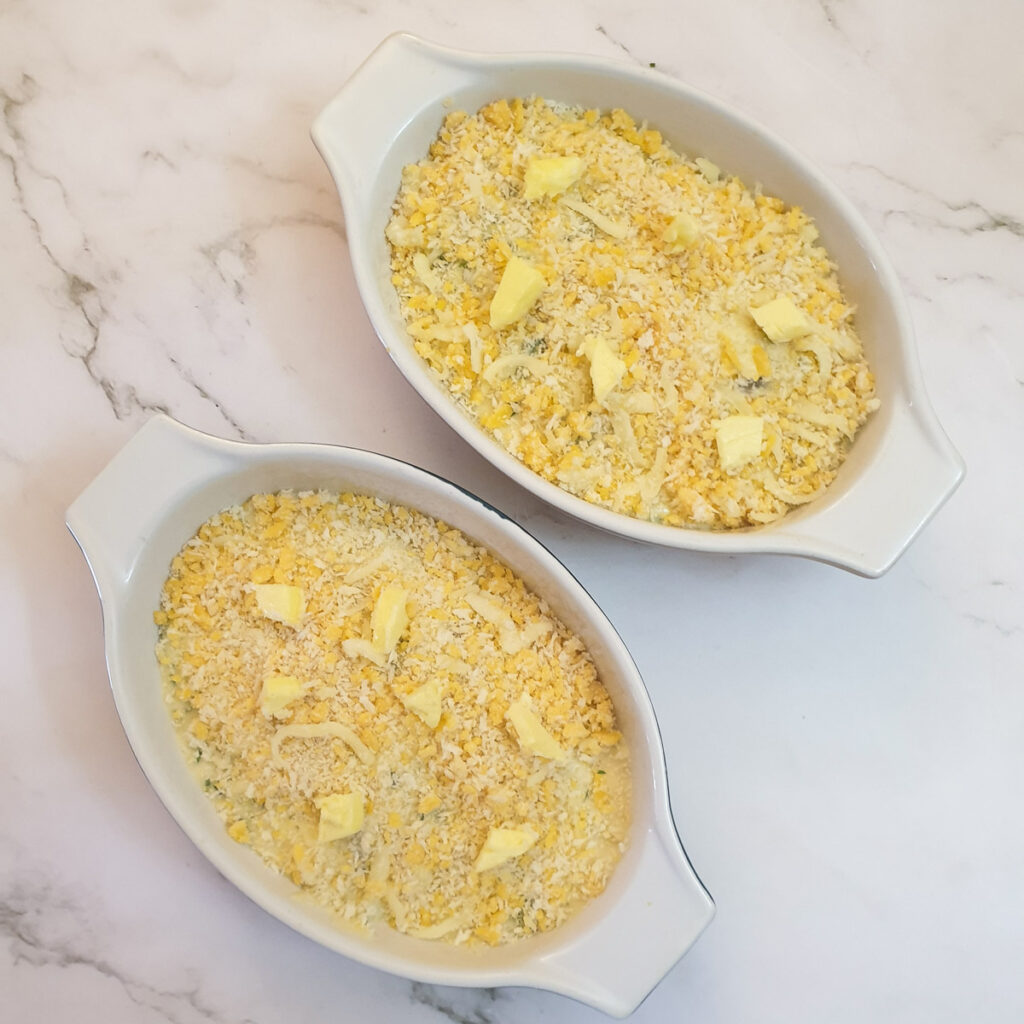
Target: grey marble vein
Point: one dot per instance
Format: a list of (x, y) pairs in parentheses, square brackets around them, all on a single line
[(83, 295), (193, 78), (187, 377), (978, 605), (11, 107), (828, 9), (86, 299), (10, 459), (984, 220), (988, 220), (12, 104), (477, 1012), (988, 623), (157, 156), (258, 169), (29, 911), (976, 277), (623, 47), (1007, 137), (240, 241)]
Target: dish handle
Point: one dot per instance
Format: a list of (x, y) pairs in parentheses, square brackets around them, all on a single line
[(357, 128), (114, 516), (913, 474), (661, 914)]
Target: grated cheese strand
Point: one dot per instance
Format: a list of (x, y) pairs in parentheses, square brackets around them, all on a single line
[(372, 778), (325, 730)]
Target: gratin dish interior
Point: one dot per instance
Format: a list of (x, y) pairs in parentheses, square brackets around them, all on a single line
[(901, 467), (133, 519)]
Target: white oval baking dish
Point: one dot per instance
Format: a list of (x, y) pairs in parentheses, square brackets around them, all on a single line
[(901, 468), (132, 520)]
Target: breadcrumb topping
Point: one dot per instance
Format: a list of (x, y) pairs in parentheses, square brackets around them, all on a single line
[(673, 298), (390, 718)]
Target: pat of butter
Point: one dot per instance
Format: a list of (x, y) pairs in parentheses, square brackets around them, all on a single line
[(341, 815), (278, 692), (425, 703), (503, 844), (781, 319), (519, 288), (739, 440), (532, 735), (280, 602), (389, 618), (606, 368), (550, 176), (681, 233)]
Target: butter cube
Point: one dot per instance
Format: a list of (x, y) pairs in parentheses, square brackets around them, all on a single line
[(681, 233), (281, 602), (389, 618), (781, 319), (739, 440), (425, 703), (550, 176), (606, 368), (277, 693), (519, 288), (530, 731), (341, 815), (503, 844)]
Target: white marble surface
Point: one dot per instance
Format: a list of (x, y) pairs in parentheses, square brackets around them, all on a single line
[(846, 774)]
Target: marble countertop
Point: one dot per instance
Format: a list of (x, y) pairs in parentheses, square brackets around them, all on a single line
[(846, 770)]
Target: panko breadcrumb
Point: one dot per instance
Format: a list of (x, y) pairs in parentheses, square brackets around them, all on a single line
[(389, 717), (670, 344)]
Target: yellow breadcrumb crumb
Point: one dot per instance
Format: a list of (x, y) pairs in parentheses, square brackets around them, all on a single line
[(652, 261), (374, 780)]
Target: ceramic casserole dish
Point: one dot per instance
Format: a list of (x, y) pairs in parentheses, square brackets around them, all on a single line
[(901, 466), (133, 519)]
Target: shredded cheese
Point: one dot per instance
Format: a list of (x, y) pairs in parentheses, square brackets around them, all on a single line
[(378, 778), (661, 257)]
